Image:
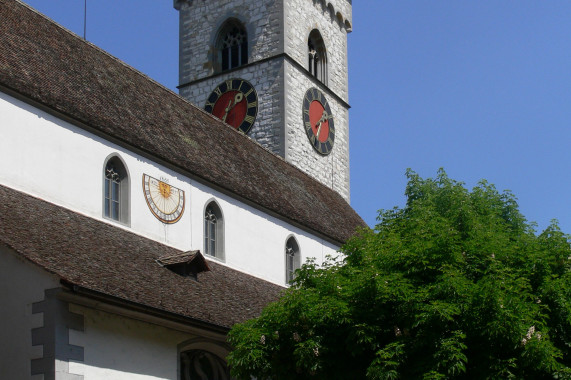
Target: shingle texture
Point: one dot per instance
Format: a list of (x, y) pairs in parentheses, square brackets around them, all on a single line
[(104, 259), (44, 63)]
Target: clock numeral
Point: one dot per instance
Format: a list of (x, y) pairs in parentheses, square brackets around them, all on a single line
[(217, 91), (253, 104), (229, 84), (316, 143), (208, 104), (249, 92), (249, 119), (312, 139)]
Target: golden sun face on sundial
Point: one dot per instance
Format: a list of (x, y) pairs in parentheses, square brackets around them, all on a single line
[(164, 189)]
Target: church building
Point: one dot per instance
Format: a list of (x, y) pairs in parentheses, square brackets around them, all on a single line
[(138, 225)]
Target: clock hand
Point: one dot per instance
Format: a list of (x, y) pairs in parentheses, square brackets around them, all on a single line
[(237, 99), (320, 123), (227, 109)]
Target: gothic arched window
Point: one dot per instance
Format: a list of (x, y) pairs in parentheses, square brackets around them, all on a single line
[(213, 231), (232, 45), (116, 190), (200, 364), (317, 56), (293, 259)]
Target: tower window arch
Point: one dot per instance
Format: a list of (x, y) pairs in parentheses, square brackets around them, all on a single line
[(232, 45), (116, 190), (213, 231), (293, 259), (317, 56)]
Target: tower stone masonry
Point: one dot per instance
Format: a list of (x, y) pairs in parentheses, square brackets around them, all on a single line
[(283, 48)]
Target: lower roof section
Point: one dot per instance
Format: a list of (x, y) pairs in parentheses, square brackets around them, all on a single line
[(106, 260)]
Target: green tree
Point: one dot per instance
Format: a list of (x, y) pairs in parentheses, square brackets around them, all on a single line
[(456, 284)]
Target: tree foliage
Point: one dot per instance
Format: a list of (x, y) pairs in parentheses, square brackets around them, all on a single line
[(456, 284)]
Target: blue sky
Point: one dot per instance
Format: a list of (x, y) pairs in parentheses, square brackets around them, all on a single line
[(481, 88)]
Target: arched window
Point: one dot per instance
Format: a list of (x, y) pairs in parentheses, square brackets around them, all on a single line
[(200, 364), (293, 259), (317, 56), (232, 45), (213, 231), (116, 190)]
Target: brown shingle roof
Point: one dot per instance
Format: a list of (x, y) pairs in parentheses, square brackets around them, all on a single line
[(42, 62), (105, 259)]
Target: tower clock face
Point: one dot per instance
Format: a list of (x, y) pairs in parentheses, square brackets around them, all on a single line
[(318, 121), (166, 202), (235, 102)]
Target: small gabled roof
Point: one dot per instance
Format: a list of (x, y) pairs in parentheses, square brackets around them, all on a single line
[(188, 263), (104, 259), (43, 63), (187, 257)]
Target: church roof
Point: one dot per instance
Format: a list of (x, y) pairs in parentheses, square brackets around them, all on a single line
[(102, 259), (43, 63)]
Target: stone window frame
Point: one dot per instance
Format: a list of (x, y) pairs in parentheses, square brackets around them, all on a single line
[(115, 172), (292, 255), (213, 231), (317, 56)]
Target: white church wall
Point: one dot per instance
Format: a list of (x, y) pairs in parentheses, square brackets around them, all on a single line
[(254, 241), (57, 161), (21, 285), (118, 347), (63, 164)]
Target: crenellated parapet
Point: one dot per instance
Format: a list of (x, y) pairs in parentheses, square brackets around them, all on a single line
[(339, 11)]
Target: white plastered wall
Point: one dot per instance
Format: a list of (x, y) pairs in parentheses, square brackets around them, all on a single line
[(54, 160), (118, 347)]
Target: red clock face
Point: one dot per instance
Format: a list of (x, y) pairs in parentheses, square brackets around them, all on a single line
[(318, 121), (235, 102)]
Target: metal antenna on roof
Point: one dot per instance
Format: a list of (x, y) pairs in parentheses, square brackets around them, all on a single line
[(84, 18)]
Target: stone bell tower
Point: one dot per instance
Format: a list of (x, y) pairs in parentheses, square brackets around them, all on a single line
[(277, 71)]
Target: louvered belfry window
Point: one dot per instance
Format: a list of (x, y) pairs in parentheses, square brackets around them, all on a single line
[(232, 45), (317, 56)]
